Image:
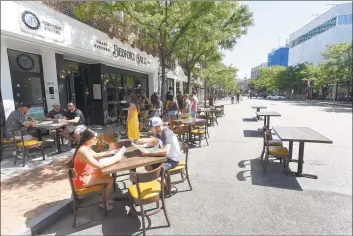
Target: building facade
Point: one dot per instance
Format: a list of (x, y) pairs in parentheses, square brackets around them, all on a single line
[(278, 57), (308, 43), (255, 70), (332, 27), (48, 57)]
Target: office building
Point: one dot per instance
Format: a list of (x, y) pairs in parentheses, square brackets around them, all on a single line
[(255, 70), (278, 57)]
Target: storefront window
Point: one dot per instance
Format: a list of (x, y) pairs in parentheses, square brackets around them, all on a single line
[(26, 78)]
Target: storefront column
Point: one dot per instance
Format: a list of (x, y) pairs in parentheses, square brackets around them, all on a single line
[(50, 78), (6, 84), (152, 83)]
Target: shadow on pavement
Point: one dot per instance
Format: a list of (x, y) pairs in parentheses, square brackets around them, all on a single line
[(252, 134), (253, 119), (273, 177), (118, 222), (338, 109)]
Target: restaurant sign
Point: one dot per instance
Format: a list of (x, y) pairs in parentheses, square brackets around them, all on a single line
[(119, 52), (41, 25)]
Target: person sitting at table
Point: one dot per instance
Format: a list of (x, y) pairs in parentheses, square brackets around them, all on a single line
[(76, 122), (56, 113), (169, 146), (16, 121), (87, 164)]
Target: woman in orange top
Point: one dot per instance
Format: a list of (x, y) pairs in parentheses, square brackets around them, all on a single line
[(87, 164)]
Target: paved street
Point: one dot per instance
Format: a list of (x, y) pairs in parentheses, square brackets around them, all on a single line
[(231, 194)]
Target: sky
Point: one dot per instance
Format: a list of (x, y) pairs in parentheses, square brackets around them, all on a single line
[(274, 21)]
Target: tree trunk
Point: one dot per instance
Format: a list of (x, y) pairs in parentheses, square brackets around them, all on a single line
[(205, 86), (189, 81), (162, 60)]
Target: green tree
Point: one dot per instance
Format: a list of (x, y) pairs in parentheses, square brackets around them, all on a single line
[(159, 25)]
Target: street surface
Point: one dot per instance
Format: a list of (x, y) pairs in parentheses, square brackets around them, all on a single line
[(232, 195)]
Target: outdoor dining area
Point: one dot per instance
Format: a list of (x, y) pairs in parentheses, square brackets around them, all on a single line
[(274, 138)]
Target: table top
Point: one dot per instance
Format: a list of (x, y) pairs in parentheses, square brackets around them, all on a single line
[(131, 160), (206, 110), (255, 107), (50, 125), (191, 121), (300, 134), (267, 113)]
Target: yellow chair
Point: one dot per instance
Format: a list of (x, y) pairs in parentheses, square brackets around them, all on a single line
[(200, 130), (271, 142), (27, 145), (78, 194), (278, 152), (181, 168), (147, 190)]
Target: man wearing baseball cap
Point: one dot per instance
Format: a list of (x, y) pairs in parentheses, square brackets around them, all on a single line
[(56, 113), (168, 142)]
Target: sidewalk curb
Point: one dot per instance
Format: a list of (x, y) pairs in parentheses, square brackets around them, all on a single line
[(42, 221)]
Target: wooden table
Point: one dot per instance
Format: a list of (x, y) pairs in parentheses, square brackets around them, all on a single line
[(267, 114), (258, 109), (49, 125), (301, 135)]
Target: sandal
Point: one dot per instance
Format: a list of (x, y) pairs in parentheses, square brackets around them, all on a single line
[(109, 202), (109, 207)]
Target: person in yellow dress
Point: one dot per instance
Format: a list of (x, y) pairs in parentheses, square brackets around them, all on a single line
[(133, 131)]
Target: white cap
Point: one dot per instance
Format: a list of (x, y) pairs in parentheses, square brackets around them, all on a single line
[(156, 121)]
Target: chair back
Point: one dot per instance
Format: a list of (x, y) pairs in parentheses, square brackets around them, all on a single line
[(201, 117), (267, 136), (185, 149), (71, 173), (143, 177)]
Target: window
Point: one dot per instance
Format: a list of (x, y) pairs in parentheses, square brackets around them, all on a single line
[(178, 87), (340, 20), (345, 19)]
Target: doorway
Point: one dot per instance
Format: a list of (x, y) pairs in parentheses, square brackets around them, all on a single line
[(76, 92)]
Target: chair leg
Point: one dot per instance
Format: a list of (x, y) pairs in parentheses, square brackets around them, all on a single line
[(262, 153), (169, 184), (74, 213), (24, 157), (105, 202), (266, 162), (199, 141), (206, 139), (42, 150), (143, 220), (187, 177), (165, 211), (114, 182)]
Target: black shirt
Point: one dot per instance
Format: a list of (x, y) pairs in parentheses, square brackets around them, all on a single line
[(76, 113), (56, 114)]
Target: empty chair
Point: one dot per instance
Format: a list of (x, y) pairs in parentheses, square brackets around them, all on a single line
[(271, 142), (278, 152), (199, 130)]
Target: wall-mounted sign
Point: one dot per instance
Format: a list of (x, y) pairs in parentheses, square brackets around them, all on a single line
[(101, 45), (36, 112), (130, 55), (41, 25), (25, 62)]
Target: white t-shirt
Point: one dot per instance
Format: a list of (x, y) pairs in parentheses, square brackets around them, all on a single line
[(168, 137)]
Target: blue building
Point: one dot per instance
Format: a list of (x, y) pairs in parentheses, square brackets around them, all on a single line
[(278, 57)]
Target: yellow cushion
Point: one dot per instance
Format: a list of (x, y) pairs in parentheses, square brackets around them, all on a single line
[(181, 165), (82, 191), (9, 141), (196, 131), (278, 151), (29, 143), (275, 142), (148, 190)]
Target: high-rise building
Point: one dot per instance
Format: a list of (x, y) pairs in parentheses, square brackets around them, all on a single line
[(255, 70), (278, 57), (309, 42)]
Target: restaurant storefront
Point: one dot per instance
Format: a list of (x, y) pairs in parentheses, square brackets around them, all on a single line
[(48, 57)]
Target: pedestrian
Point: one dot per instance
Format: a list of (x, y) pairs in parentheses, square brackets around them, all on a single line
[(173, 110), (194, 104), (132, 121), (186, 106), (238, 95)]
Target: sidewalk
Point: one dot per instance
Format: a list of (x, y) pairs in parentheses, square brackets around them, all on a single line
[(32, 193)]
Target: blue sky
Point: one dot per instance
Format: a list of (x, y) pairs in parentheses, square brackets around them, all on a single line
[(274, 21)]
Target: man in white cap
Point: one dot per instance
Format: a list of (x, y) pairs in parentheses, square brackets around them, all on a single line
[(168, 142)]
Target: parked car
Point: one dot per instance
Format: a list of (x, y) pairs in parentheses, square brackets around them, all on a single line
[(276, 97)]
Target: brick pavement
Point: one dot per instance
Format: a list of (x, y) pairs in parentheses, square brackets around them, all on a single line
[(27, 196)]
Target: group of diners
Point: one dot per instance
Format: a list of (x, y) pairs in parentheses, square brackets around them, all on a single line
[(19, 118)]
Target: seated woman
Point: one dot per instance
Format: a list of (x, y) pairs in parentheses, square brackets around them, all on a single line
[(87, 164)]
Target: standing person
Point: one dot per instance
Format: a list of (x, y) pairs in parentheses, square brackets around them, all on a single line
[(170, 94), (187, 105), (156, 104), (238, 95), (180, 99), (132, 121), (194, 104), (173, 110), (76, 121)]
